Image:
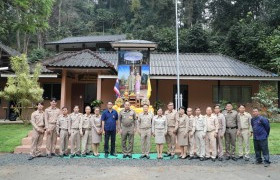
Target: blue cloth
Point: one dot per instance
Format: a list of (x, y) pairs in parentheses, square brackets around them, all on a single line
[(261, 127), (109, 119)]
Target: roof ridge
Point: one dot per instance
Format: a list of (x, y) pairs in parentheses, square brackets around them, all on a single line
[(101, 59), (50, 60)]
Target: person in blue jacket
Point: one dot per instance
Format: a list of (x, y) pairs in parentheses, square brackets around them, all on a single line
[(260, 130)]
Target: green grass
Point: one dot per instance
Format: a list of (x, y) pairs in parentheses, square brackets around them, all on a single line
[(11, 135)]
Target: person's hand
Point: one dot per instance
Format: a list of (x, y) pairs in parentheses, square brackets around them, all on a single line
[(185, 135), (175, 132), (251, 134), (48, 131), (120, 131), (100, 132), (81, 133), (41, 131), (58, 135), (221, 136), (191, 135), (216, 135), (238, 133), (203, 136)]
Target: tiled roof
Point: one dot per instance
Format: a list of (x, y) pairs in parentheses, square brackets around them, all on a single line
[(164, 64), (89, 39), (9, 50)]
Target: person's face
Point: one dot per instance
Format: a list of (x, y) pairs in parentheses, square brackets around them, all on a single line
[(255, 113), (53, 103), (131, 73), (208, 111), (76, 109), (229, 107), (127, 106), (97, 111), (197, 112), (109, 105), (189, 111), (64, 111), (40, 107), (241, 109), (88, 110), (170, 107), (182, 111), (159, 112), (145, 108), (217, 109)]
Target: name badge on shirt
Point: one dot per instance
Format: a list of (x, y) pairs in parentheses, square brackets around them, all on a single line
[(114, 116), (130, 117)]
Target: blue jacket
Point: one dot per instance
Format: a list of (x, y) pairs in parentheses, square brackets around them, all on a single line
[(261, 127), (109, 119)]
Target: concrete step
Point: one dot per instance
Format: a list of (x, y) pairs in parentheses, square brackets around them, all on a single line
[(28, 140)]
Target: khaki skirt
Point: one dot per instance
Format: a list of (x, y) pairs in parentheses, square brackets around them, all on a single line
[(182, 141), (96, 138), (160, 136)]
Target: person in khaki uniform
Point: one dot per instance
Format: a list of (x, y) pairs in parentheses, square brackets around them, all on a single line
[(231, 131), (244, 132), (51, 116), (182, 129), (38, 123), (96, 131), (199, 131), (170, 115), (190, 147), (144, 128), (221, 132), (128, 125), (85, 131), (75, 138), (212, 125), (62, 130)]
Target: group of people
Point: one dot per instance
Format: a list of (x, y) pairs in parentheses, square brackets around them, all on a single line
[(198, 136)]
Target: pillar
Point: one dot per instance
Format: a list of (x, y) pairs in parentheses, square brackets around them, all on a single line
[(63, 88), (98, 96)]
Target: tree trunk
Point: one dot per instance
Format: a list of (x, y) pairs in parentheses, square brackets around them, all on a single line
[(189, 13), (18, 33), (39, 40), (59, 13), (26, 43)]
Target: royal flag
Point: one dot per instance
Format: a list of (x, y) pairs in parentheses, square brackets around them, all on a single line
[(116, 89), (149, 90)]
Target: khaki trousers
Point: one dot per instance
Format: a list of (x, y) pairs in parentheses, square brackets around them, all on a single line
[(127, 135), (220, 150), (230, 138), (190, 146), (171, 140), (210, 144), (64, 138), (86, 141), (145, 140), (200, 143), (51, 139), (36, 143), (75, 140), (244, 137)]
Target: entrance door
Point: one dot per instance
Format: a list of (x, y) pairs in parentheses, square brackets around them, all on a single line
[(90, 93), (78, 92), (184, 92)]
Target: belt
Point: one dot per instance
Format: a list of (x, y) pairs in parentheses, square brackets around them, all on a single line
[(128, 125), (75, 128), (86, 128), (145, 128), (244, 128), (232, 127), (211, 130), (64, 129)]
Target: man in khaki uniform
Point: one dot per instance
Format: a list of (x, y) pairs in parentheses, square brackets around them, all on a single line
[(231, 131), (51, 115), (199, 131), (212, 125), (128, 125), (38, 123), (221, 132), (244, 132), (190, 147), (85, 131), (62, 126), (170, 115), (75, 138), (145, 130)]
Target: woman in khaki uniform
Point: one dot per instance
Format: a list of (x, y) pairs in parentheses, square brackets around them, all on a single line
[(182, 128), (85, 131), (96, 131), (159, 130)]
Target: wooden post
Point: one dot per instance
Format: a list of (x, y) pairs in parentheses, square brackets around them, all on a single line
[(99, 87), (278, 90), (63, 88), (157, 89), (219, 91)]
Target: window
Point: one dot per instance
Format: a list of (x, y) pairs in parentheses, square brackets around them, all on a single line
[(51, 91), (235, 94)]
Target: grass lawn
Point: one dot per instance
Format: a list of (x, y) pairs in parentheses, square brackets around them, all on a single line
[(11, 135)]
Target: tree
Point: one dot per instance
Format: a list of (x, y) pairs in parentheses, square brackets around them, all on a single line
[(23, 88)]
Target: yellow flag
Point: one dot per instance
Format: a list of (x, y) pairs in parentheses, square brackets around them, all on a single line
[(149, 90)]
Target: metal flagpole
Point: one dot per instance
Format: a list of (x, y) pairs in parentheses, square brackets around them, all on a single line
[(177, 55)]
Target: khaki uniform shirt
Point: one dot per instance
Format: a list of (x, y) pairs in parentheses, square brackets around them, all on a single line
[(222, 122), (127, 118), (145, 120), (212, 123), (244, 121), (199, 123), (231, 118), (96, 121), (86, 122), (74, 121), (171, 117), (51, 116), (38, 120), (190, 119), (62, 123), (159, 122)]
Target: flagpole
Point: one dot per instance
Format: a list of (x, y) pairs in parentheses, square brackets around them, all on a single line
[(177, 55)]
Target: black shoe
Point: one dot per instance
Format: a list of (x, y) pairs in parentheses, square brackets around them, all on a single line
[(65, 154), (124, 156), (213, 159), (234, 158), (191, 157), (78, 155), (49, 156), (220, 159), (106, 155), (129, 156), (84, 155), (258, 162), (228, 158), (142, 156), (196, 157), (167, 155), (147, 156), (266, 164), (61, 155), (41, 155), (207, 158), (172, 157), (201, 159), (72, 155), (54, 154), (247, 159), (113, 155), (88, 154), (240, 157), (31, 157)]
